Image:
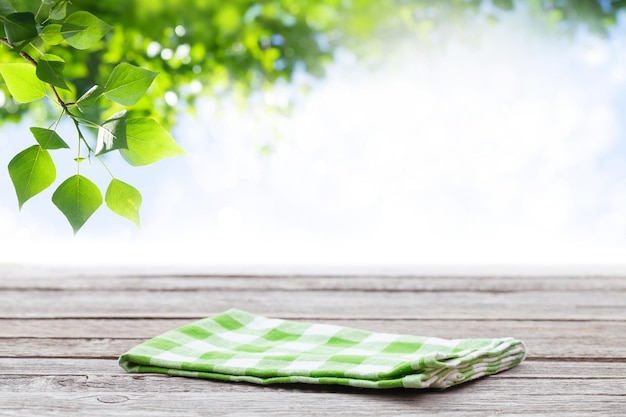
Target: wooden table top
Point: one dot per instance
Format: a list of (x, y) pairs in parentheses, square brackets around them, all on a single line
[(61, 332)]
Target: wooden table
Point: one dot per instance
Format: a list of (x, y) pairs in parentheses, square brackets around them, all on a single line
[(61, 332)]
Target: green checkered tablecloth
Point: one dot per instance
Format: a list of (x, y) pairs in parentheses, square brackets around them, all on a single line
[(239, 346)]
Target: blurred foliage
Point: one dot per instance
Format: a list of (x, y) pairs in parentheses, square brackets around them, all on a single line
[(213, 47)]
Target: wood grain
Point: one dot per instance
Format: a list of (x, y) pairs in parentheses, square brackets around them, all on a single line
[(306, 304), (161, 395), (62, 330), (533, 368), (95, 282), (110, 337)]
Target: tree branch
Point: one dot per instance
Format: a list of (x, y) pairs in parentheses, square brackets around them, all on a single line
[(6, 42), (30, 59)]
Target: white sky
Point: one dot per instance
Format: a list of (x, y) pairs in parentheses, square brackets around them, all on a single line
[(511, 152)]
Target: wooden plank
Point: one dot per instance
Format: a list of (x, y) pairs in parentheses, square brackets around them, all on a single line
[(610, 332), (309, 405), (65, 348), (95, 338), (111, 348), (319, 283), (88, 328), (60, 338), (161, 395), (546, 369), (145, 383), (383, 271), (316, 304)]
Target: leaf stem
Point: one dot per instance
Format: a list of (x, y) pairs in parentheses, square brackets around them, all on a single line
[(105, 166), (39, 10), (54, 124), (81, 137), (60, 101)]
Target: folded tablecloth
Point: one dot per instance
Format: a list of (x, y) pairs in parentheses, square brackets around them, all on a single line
[(239, 346)]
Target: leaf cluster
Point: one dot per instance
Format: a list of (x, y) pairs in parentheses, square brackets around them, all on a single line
[(244, 46), (203, 47), (35, 74)]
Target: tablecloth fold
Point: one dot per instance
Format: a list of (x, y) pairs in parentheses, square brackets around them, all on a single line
[(239, 346)]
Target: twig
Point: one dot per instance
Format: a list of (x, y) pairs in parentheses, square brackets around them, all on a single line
[(30, 59)]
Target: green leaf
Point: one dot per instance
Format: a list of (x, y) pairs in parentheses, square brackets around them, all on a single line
[(50, 69), (31, 171), (22, 82), (48, 139), (148, 142), (112, 134), (20, 27), (77, 198), (6, 8), (504, 4), (90, 97), (128, 83), (51, 34), (59, 10), (123, 199), (82, 30)]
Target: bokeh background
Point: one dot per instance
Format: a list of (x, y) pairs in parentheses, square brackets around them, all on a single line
[(490, 137)]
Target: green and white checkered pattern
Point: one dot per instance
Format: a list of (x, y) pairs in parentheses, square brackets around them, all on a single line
[(239, 346)]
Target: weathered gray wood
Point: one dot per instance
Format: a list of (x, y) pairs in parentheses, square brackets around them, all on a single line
[(112, 348), (146, 383), (550, 305), (546, 369), (93, 338), (172, 282), (156, 395), (288, 405), (603, 332), (61, 332)]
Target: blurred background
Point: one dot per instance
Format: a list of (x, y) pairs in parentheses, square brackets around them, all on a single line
[(354, 133)]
